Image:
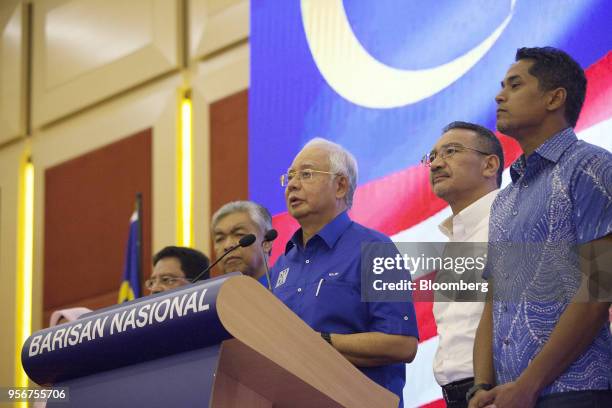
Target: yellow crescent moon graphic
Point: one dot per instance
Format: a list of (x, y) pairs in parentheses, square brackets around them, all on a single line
[(363, 80)]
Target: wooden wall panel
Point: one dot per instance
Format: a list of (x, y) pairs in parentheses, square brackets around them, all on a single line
[(229, 155), (88, 202)]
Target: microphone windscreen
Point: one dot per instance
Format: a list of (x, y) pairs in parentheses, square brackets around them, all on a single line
[(247, 240), (271, 235)]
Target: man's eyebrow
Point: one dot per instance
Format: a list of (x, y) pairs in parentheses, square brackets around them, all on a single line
[(452, 144), (234, 229), (510, 79), (238, 227), (433, 150)]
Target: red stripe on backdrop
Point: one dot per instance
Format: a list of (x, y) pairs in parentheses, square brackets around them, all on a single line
[(435, 404), (597, 106), (424, 311), (397, 201), (426, 321)]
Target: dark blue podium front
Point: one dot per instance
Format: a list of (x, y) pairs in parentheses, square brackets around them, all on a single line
[(182, 380), (162, 350)]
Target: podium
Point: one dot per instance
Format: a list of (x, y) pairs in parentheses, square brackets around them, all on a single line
[(225, 342)]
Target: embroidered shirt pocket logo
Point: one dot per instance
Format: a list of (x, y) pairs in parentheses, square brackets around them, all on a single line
[(282, 277)]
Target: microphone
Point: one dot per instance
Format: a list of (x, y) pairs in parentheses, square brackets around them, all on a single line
[(269, 237), (244, 242)]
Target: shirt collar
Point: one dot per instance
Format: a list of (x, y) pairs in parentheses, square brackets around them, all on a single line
[(551, 150), (554, 147), (468, 219), (329, 233)]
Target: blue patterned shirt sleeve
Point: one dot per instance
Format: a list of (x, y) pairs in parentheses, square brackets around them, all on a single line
[(592, 197)]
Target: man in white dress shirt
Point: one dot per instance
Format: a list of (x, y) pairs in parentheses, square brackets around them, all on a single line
[(466, 166)]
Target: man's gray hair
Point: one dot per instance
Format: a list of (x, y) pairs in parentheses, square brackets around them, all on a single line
[(258, 214), (341, 161)]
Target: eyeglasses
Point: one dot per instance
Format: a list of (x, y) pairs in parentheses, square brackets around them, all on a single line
[(164, 280), (446, 152), (302, 175)]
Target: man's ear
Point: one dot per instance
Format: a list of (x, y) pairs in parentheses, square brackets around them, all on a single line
[(556, 99), (343, 187), (491, 166)]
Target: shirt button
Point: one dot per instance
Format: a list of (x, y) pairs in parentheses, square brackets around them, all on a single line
[(525, 185), (514, 212), (405, 317), (299, 289), (308, 261), (506, 342)]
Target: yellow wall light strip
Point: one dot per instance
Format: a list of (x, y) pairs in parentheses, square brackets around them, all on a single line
[(185, 182), (23, 318)]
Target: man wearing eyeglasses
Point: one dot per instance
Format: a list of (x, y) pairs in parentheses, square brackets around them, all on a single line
[(319, 274), (175, 266), (466, 166)]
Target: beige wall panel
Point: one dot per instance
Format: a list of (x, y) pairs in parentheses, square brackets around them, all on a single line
[(10, 157), (214, 79), (87, 50), (12, 68), (224, 75), (215, 24), (151, 107)]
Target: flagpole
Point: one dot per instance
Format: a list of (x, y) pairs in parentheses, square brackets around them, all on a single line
[(139, 238)]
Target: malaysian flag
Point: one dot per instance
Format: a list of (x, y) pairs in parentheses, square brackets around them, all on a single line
[(132, 271)]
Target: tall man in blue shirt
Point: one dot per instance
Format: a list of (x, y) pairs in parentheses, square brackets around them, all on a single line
[(538, 343), (319, 274)]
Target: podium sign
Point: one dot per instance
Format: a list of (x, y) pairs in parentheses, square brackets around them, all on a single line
[(176, 349)]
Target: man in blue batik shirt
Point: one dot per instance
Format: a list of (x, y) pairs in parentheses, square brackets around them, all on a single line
[(539, 342), (319, 274)]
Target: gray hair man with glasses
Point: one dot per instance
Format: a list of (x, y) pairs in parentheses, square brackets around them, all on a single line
[(319, 274), (466, 166), (341, 162), (176, 266)]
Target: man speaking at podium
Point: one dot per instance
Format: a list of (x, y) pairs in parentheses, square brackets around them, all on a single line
[(319, 274)]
